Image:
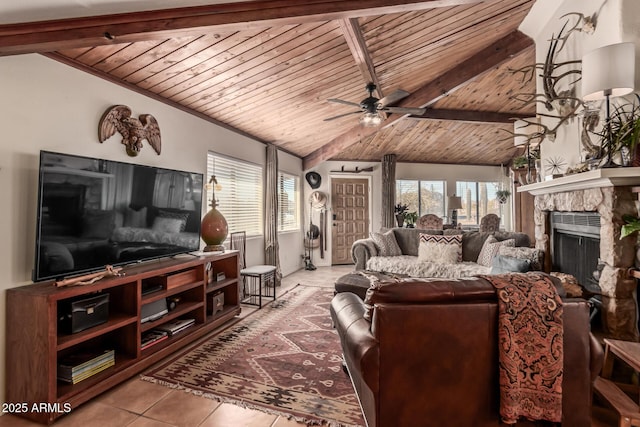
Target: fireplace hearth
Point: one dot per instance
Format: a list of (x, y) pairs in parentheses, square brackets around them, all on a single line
[(608, 194)]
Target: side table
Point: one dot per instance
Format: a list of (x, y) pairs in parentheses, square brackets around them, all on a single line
[(260, 282), (609, 391)]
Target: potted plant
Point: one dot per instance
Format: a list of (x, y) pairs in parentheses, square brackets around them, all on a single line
[(502, 196), (400, 211), (411, 218), (519, 162), (631, 224)]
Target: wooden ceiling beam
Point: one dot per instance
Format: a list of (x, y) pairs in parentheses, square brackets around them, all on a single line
[(486, 117), (358, 47), (473, 67), (47, 36)]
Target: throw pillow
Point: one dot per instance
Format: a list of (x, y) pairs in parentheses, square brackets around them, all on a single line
[(439, 253), (453, 240), (535, 256), (135, 218), (183, 216), (386, 243), (507, 264), (490, 249), (168, 225), (98, 224)]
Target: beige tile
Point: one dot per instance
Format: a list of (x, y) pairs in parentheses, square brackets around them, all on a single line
[(232, 415), (96, 414), (182, 409), (135, 395), (148, 422), (13, 421), (284, 422)]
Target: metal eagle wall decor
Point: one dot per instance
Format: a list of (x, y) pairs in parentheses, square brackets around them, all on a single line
[(118, 119)]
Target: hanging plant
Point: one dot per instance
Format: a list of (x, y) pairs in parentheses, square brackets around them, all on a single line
[(502, 196)]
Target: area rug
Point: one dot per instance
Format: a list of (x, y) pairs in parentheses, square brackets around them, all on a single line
[(284, 359)]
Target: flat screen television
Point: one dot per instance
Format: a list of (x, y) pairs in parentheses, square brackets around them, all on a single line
[(94, 212)]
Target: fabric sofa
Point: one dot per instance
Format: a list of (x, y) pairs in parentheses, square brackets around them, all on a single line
[(425, 352), (368, 255)]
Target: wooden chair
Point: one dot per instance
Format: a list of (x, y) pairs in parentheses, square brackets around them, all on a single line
[(429, 222), (238, 242), (490, 223)]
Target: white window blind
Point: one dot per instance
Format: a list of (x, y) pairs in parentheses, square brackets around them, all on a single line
[(289, 202), (239, 193)]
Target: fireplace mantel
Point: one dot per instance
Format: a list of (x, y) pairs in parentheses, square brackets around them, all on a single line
[(609, 177)]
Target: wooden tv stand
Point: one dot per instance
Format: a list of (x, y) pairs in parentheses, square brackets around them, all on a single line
[(34, 343)]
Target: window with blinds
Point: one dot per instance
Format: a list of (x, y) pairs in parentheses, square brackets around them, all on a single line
[(239, 193), (422, 197), (289, 202)]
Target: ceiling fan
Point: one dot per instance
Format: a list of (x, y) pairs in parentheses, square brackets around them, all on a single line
[(371, 107)]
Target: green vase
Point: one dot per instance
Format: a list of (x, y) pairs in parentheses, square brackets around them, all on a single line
[(214, 230)]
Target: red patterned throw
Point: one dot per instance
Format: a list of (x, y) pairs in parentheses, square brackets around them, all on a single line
[(531, 348)]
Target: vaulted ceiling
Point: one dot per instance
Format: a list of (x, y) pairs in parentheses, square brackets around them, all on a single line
[(267, 68)]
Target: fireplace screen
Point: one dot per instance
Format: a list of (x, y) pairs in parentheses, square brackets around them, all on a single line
[(576, 245)]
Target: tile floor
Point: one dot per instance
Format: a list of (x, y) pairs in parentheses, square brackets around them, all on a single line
[(138, 403)]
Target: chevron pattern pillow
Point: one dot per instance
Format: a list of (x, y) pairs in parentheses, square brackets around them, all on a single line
[(430, 247)]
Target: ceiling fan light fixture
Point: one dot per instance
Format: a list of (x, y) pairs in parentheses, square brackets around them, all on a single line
[(369, 119)]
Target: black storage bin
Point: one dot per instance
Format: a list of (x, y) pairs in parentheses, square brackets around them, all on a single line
[(84, 312)]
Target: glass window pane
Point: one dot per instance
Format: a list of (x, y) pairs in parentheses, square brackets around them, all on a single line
[(407, 194), (422, 197), (431, 198)]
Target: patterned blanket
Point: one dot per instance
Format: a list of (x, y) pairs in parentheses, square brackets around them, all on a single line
[(531, 350)]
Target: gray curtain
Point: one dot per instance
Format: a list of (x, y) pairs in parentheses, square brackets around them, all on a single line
[(388, 190), (271, 212)]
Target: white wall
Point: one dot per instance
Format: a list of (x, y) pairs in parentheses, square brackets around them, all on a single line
[(618, 21), (46, 105)]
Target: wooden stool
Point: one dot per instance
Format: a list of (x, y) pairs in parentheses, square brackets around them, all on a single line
[(611, 392), (260, 282)]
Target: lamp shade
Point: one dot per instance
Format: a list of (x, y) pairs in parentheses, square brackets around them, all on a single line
[(608, 71), (455, 202)]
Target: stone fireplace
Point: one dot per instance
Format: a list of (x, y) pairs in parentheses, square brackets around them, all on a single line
[(610, 193)]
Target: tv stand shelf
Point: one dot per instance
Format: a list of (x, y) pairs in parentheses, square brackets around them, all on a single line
[(35, 345)]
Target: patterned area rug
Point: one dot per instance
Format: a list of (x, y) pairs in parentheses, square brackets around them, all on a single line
[(284, 359)]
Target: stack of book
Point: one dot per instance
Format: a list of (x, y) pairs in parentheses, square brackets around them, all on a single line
[(152, 338), (176, 326), (82, 365)]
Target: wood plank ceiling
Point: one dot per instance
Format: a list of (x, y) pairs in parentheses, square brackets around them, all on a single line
[(271, 79)]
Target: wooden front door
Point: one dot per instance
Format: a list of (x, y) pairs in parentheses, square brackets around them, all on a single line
[(350, 209)]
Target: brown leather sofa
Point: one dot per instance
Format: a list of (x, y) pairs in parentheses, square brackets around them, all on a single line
[(424, 352)]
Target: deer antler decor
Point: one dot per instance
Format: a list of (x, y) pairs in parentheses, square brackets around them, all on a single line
[(118, 119)]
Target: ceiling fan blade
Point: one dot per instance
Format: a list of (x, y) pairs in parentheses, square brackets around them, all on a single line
[(342, 115), (403, 110), (393, 97), (340, 101)]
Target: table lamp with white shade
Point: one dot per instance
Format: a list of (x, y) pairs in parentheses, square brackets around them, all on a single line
[(608, 72)]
